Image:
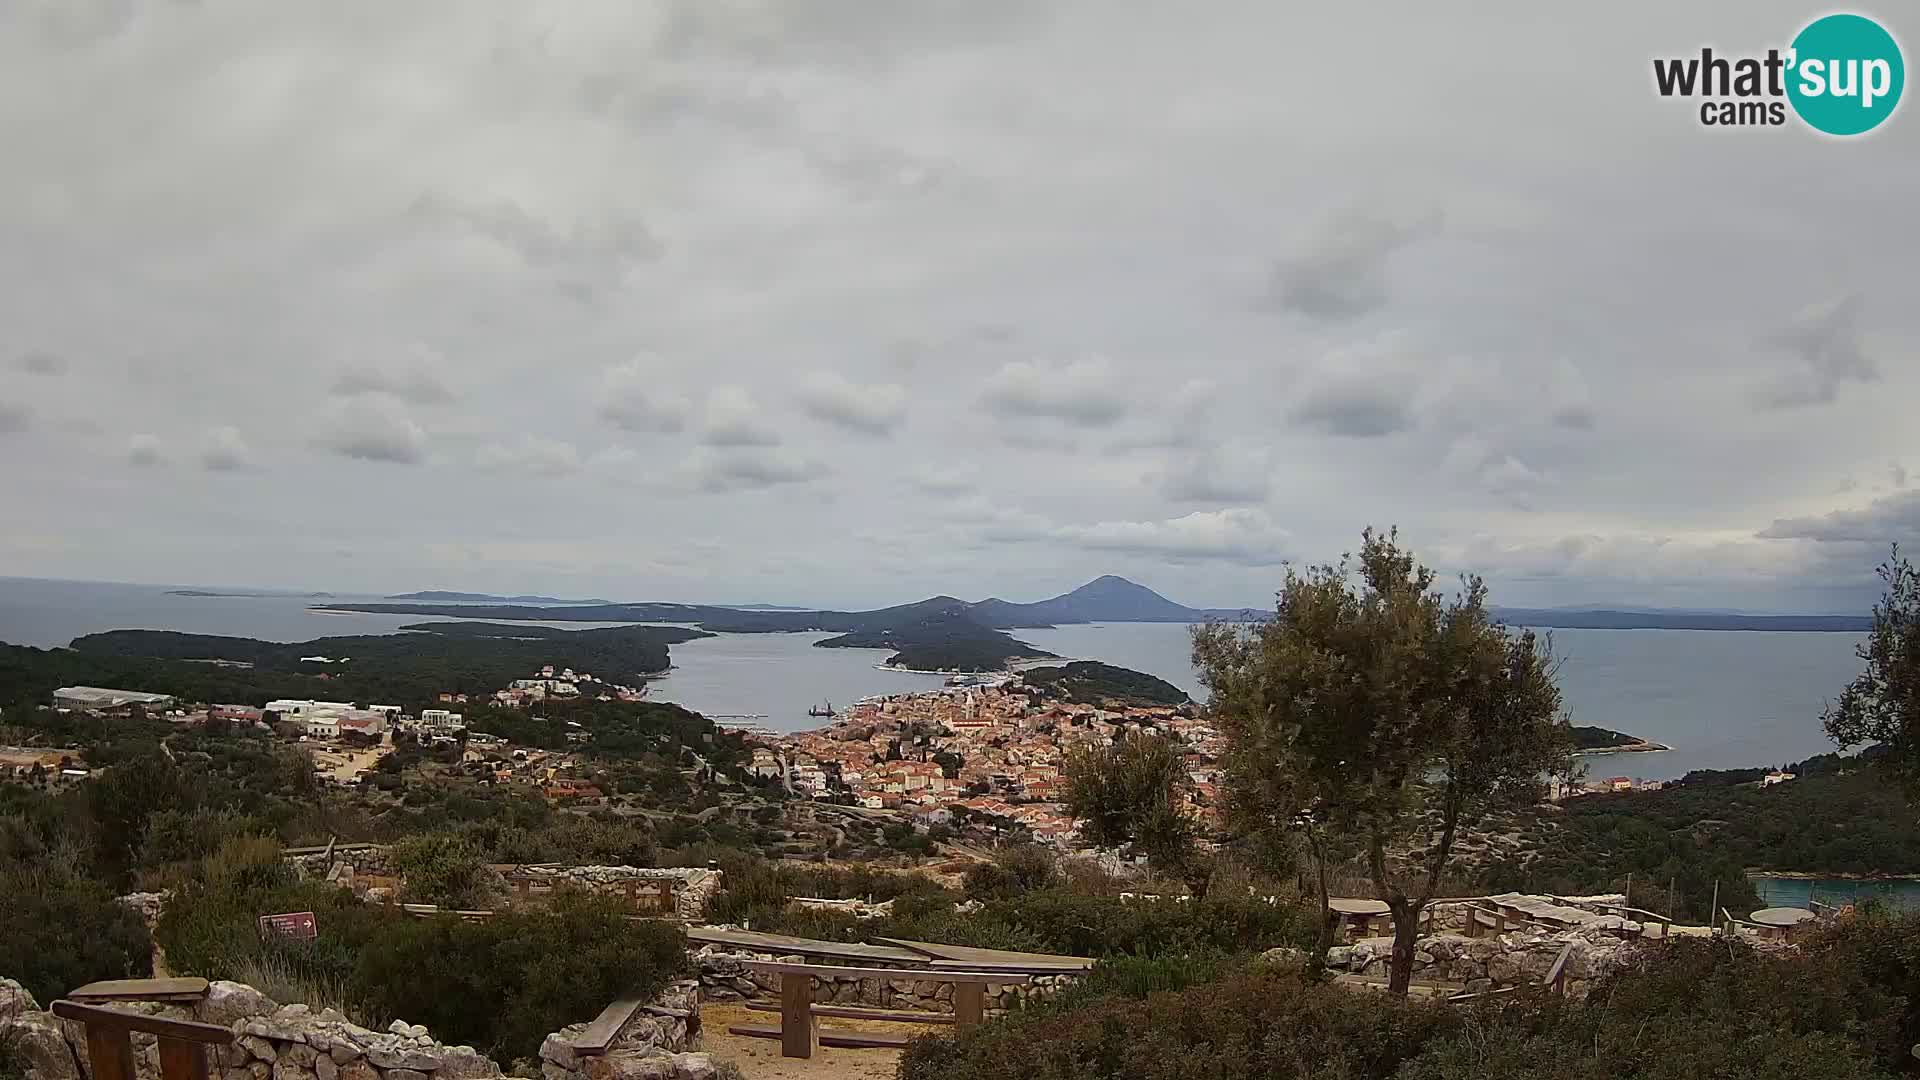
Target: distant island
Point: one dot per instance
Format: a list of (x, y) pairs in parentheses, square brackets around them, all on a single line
[(1599, 740), (929, 635), (488, 598), (1090, 682), (256, 594)]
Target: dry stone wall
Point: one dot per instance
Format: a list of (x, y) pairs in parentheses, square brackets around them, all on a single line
[(1518, 958), (694, 887), (657, 1041), (724, 976)]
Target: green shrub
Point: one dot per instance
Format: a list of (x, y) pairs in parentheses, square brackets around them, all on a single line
[(441, 868), (1021, 869), (59, 931), (503, 983), (1248, 1025)]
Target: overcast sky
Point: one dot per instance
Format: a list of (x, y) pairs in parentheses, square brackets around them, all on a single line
[(848, 302)]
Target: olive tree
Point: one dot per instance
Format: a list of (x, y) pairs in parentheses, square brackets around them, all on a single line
[(1882, 704), (1374, 712), (1132, 795)]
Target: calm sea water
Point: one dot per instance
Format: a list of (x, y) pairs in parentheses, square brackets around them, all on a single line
[(1721, 699), (1796, 892)]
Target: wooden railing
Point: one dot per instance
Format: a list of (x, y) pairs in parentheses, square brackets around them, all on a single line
[(183, 1043), (798, 1033)]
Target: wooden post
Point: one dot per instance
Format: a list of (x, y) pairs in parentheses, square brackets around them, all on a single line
[(1714, 911), (110, 1050), (1670, 912), (182, 1060), (969, 1004), (1628, 902), (796, 1016)]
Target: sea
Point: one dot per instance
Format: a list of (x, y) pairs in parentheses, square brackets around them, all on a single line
[(1720, 699)]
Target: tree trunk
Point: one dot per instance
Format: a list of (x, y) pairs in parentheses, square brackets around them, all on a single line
[(1406, 933), (1322, 941)]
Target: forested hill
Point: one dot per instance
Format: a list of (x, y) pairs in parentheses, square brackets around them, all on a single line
[(1093, 683), (407, 669), (944, 640)]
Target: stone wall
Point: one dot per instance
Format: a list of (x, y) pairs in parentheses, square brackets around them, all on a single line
[(294, 1042), (724, 976), (1517, 958), (656, 1042), (694, 887), (316, 863), (273, 1042)]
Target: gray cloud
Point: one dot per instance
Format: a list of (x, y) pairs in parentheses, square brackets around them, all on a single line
[(1355, 407), (745, 468), (1341, 273), (41, 362), (14, 417), (144, 450), (1888, 519), (545, 457), (946, 481), (1084, 393), (415, 379), (224, 449), (869, 410), (631, 398), (1825, 341), (373, 427), (1230, 475), (732, 417), (1239, 535)]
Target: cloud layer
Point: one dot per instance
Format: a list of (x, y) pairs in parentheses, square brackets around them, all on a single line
[(850, 304)]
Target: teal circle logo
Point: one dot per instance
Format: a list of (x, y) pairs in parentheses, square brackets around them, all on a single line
[(1845, 74)]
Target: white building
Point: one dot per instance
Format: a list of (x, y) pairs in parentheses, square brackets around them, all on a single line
[(439, 722), (100, 697)]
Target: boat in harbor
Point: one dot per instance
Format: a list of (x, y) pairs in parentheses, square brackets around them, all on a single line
[(823, 709)]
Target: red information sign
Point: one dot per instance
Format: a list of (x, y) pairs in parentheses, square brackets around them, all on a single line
[(297, 924)]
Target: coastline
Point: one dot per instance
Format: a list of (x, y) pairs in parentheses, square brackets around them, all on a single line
[(1642, 747)]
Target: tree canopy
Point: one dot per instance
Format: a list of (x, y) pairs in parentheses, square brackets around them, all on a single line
[(1370, 700), (1882, 704)]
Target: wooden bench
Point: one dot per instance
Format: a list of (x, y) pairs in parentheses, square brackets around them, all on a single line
[(798, 1033), (183, 1043)]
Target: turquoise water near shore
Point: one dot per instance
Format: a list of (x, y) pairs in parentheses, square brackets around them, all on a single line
[(1837, 892)]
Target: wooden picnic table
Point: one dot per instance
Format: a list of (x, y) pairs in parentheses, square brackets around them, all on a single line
[(799, 1034)]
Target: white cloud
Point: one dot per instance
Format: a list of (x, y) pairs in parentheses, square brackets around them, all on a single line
[(946, 480), (225, 450), (372, 427), (545, 457), (732, 418), (1238, 535), (415, 378), (875, 409), (1084, 393), (145, 450), (633, 399), (745, 468)]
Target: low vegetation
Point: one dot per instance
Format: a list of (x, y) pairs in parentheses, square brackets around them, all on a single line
[(1692, 1009), (499, 984)]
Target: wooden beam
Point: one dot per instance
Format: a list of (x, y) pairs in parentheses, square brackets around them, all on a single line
[(140, 990), (182, 1060), (601, 1032), (969, 1004), (830, 1037), (115, 1020), (848, 1012), (796, 1017), (958, 978)]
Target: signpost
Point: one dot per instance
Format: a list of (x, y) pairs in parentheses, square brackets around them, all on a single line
[(296, 924)]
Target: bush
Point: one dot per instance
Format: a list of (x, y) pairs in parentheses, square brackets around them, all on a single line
[(441, 868), (504, 983), (59, 931), (1013, 871), (1248, 1025)]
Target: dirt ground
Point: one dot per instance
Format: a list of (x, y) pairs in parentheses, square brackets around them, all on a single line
[(759, 1059)]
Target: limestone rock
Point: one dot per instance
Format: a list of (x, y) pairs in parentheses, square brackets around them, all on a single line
[(693, 1067), (358, 1070), (343, 1051), (14, 1000), (258, 1046), (630, 1065), (286, 1069), (464, 1063), (405, 1074), (37, 1040), (401, 1058), (325, 1069), (558, 1047)]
